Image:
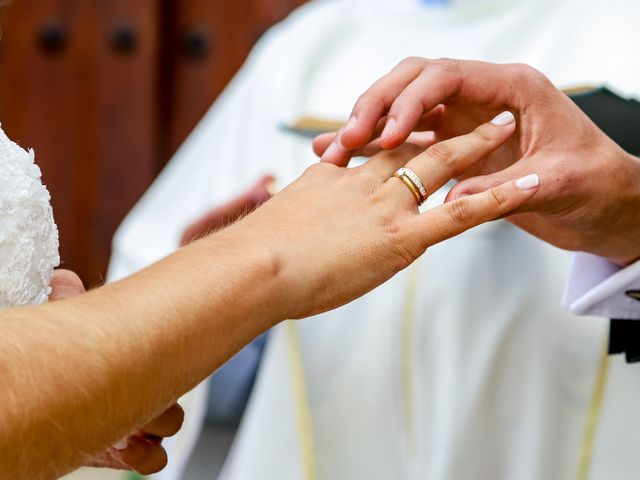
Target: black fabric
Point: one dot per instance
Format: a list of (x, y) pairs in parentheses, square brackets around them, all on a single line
[(624, 337), (619, 118)]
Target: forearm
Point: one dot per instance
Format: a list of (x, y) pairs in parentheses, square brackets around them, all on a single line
[(79, 375)]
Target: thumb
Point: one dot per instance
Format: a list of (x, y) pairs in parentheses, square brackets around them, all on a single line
[(65, 284)]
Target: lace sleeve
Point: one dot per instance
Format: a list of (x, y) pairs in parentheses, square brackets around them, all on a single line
[(28, 233)]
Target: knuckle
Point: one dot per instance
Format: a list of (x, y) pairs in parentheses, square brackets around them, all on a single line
[(318, 169), (499, 199), (522, 70), (527, 74), (369, 100), (483, 135), (461, 211), (446, 62), (412, 61), (404, 249), (442, 154), (446, 66)]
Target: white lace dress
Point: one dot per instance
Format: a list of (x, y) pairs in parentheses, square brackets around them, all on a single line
[(28, 233)]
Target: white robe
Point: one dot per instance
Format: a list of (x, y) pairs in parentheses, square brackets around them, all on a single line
[(465, 366)]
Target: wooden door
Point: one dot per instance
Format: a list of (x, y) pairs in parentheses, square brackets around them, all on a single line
[(210, 40), (106, 90)]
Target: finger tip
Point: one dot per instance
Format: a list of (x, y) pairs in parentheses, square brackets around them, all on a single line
[(319, 146), (144, 456), (354, 138), (391, 142)]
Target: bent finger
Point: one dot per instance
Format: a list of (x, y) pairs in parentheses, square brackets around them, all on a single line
[(65, 284), (328, 146), (143, 456), (437, 81), (422, 138), (167, 424), (376, 101), (444, 81), (451, 219)]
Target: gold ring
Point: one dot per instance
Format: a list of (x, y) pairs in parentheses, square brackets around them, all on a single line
[(413, 183)]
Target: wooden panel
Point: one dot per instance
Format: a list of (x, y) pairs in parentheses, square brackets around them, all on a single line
[(43, 102), (106, 90), (211, 40), (126, 94), (89, 110)]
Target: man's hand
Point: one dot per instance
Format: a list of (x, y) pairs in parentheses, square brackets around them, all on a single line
[(590, 194), (228, 213), (347, 230), (142, 451)]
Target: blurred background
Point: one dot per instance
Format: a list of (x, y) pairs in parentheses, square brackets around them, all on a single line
[(105, 91), (101, 87)]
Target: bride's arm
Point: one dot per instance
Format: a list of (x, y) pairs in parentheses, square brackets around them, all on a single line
[(80, 374)]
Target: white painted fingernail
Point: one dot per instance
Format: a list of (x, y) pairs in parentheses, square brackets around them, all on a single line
[(272, 187), (389, 127), (351, 123), (528, 182), (122, 444), (504, 119)]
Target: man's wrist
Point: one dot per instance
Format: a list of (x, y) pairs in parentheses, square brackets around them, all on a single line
[(633, 233), (616, 235)]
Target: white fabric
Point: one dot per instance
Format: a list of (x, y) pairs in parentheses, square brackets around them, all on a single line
[(597, 286), (481, 374), (28, 234)]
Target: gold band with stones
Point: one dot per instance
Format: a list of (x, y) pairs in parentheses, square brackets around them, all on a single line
[(413, 183)]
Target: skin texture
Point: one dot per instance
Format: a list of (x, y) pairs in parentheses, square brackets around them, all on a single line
[(111, 360), (590, 199), (143, 453)]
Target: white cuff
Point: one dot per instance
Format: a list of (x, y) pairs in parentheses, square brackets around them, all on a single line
[(601, 288)]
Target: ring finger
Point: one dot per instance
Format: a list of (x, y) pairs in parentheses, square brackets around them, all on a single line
[(445, 160)]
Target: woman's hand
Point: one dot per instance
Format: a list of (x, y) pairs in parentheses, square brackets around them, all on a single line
[(590, 198), (337, 233), (142, 451)]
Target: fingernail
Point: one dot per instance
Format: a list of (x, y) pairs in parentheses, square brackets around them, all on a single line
[(351, 123), (461, 195), (528, 182), (389, 127), (122, 444), (272, 187), (504, 119)]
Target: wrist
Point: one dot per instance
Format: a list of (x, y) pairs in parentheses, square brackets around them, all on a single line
[(252, 274), (625, 240)]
